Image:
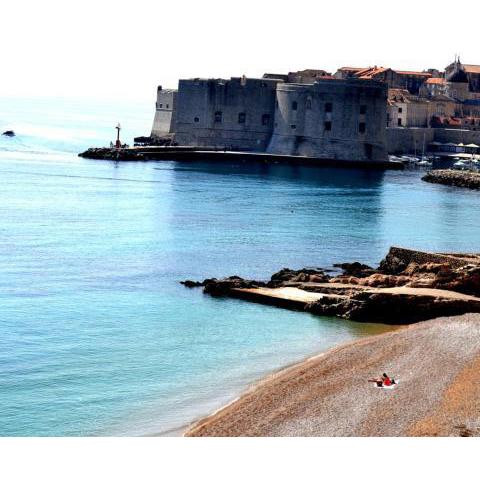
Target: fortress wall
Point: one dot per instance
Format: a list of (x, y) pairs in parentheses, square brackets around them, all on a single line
[(408, 140), (303, 113), (164, 120), (446, 135), (209, 113)]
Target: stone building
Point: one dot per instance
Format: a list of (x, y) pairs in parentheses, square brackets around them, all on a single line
[(433, 87), (472, 74), (164, 120), (407, 110), (411, 81), (339, 119), (235, 114)]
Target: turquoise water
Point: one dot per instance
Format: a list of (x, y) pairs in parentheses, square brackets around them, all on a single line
[(97, 337)]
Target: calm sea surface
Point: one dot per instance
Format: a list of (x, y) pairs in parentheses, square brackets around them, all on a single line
[(97, 337)]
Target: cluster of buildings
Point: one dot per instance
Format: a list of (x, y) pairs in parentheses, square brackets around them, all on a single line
[(343, 116)]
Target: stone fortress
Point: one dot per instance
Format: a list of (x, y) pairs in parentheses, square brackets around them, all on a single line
[(357, 114), (324, 118)]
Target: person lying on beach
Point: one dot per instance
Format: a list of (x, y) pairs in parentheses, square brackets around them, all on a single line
[(384, 381)]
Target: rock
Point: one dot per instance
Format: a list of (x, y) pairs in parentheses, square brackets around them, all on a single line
[(392, 264), (391, 308), (355, 269), (222, 287), (192, 283), (9, 133), (305, 275)]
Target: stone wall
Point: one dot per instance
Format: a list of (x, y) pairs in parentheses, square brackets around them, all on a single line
[(445, 135), (408, 140), (234, 114), (338, 119), (398, 258), (165, 110)]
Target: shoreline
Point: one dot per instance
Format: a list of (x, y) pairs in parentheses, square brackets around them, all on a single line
[(298, 400)]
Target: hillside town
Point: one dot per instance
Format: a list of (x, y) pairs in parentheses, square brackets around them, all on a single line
[(355, 113)]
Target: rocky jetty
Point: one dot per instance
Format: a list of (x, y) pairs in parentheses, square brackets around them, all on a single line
[(112, 154), (408, 286), (454, 178)]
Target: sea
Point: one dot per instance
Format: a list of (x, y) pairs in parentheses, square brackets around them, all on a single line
[(97, 335)]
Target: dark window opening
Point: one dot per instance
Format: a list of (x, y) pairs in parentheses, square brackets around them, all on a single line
[(293, 127), (400, 110), (294, 105), (363, 109), (369, 150), (218, 117), (399, 122), (362, 127), (168, 106), (241, 117), (265, 119), (161, 105), (328, 126), (196, 119), (308, 104), (329, 107)]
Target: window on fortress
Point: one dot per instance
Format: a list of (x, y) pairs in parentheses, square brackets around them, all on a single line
[(241, 117), (399, 122), (161, 105), (362, 127), (167, 106), (329, 107), (363, 109), (400, 110), (293, 127), (328, 126), (308, 104), (294, 105), (196, 119), (265, 119), (218, 117)]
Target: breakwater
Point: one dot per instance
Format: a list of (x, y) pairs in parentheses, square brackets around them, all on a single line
[(454, 178), (199, 154)]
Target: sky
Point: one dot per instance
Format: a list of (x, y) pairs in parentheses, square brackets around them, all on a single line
[(124, 49)]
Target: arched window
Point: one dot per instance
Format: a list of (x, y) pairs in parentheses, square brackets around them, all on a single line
[(196, 119), (218, 117), (294, 105), (241, 117)]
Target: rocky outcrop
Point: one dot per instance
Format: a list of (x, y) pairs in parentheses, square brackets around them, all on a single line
[(389, 294), (305, 275), (391, 307), (9, 133), (454, 178)]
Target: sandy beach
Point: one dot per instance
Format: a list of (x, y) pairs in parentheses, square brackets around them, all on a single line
[(437, 363)]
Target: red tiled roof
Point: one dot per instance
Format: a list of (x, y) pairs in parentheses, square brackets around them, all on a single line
[(435, 81), (419, 74), (352, 69), (471, 68)]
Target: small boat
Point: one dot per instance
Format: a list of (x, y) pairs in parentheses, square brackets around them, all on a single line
[(459, 165), (424, 163)]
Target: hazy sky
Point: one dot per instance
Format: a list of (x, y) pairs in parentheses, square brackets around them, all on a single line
[(124, 49)]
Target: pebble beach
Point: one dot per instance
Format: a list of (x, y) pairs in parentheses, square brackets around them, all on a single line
[(437, 363)]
